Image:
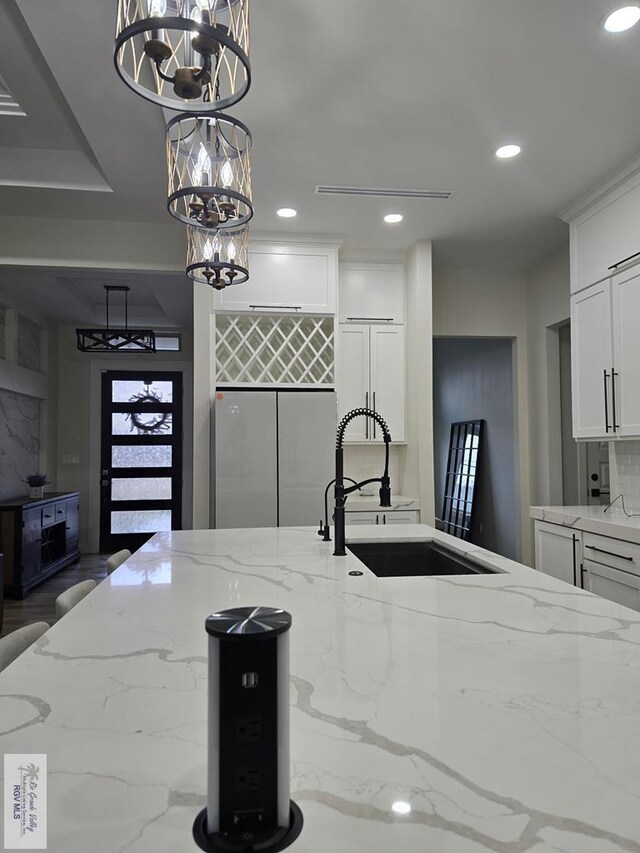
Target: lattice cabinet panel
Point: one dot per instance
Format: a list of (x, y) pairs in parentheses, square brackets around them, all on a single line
[(274, 350)]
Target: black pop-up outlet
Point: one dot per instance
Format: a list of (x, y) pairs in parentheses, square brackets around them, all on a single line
[(248, 803)]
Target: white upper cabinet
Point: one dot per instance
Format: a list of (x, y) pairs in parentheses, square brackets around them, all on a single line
[(371, 292), (626, 362), (371, 374), (604, 229), (286, 278), (592, 362), (387, 379), (353, 379)]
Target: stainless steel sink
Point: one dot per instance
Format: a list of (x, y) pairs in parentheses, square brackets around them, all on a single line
[(414, 559)]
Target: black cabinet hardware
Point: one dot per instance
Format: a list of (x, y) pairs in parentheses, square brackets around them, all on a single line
[(373, 319), (613, 398), (277, 307), (610, 553), (624, 261), (606, 402), (574, 539)]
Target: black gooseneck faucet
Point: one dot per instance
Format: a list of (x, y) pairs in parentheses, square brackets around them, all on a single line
[(340, 491)]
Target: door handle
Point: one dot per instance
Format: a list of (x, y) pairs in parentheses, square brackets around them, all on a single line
[(384, 518), (606, 402), (581, 577), (377, 520), (374, 409), (366, 420), (574, 539), (613, 398), (610, 553)]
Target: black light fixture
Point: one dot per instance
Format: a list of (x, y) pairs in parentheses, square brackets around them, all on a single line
[(209, 167), (218, 258), (187, 55), (116, 339)]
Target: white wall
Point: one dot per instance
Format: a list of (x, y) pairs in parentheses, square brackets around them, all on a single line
[(418, 473), (481, 303), (547, 304), (624, 459)]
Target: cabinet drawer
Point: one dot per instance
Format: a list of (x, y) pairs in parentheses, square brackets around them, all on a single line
[(611, 552), (61, 512), (613, 584), (48, 515)]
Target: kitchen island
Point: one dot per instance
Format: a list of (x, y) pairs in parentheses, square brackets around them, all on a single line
[(504, 709)]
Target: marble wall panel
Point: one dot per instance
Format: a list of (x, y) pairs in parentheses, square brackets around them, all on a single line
[(29, 344), (19, 442)]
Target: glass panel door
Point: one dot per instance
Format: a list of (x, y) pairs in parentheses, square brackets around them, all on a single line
[(141, 457)]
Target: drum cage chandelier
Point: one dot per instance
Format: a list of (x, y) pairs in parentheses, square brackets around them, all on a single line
[(187, 55), (209, 166), (218, 258)]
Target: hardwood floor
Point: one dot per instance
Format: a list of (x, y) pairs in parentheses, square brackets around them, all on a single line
[(39, 605)]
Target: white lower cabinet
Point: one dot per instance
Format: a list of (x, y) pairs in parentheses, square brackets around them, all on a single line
[(599, 564), (614, 584), (411, 516), (558, 551)]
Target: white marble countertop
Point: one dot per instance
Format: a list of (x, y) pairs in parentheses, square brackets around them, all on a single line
[(504, 708), (368, 503), (591, 518)]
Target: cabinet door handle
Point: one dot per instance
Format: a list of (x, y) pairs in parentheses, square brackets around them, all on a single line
[(374, 409), (574, 539), (606, 402), (277, 307), (384, 518), (613, 398), (581, 577), (610, 553), (366, 420), (377, 520), (624, 261), (375, 319)]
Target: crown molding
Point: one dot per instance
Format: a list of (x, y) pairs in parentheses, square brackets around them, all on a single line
[(601, 190)]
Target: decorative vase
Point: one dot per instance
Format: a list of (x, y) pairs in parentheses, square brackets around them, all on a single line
[(36, 492)]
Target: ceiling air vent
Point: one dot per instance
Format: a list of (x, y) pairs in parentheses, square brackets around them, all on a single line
[(382, 192), (8, 104)]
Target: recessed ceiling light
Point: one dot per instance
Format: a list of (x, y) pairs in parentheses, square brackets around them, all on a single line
[(393, 218), (401, 807), (287, 212), (622, 19), (505, 152)]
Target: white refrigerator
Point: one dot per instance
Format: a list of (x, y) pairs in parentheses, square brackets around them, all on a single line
[(274, 453)]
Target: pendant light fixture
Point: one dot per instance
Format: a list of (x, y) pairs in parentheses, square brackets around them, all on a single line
[(218, 258), (187, 55), (208, 160), (116, 339)]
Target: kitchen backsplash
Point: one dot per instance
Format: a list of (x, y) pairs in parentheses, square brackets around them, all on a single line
[(19, 442), (624, 461), (362, 462)]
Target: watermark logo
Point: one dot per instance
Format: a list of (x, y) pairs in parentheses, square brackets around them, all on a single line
[(25, 802)]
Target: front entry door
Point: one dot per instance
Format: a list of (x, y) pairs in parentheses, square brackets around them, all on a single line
[(141, 457)]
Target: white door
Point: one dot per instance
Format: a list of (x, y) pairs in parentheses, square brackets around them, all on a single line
[(245, 459), (388, 380), (626, 313), (353, 378), (372, 292), (306, 442), (592, 362), (556, 551), (614, 584)]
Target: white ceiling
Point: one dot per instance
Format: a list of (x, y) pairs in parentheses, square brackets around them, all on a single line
[(404, 93)]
